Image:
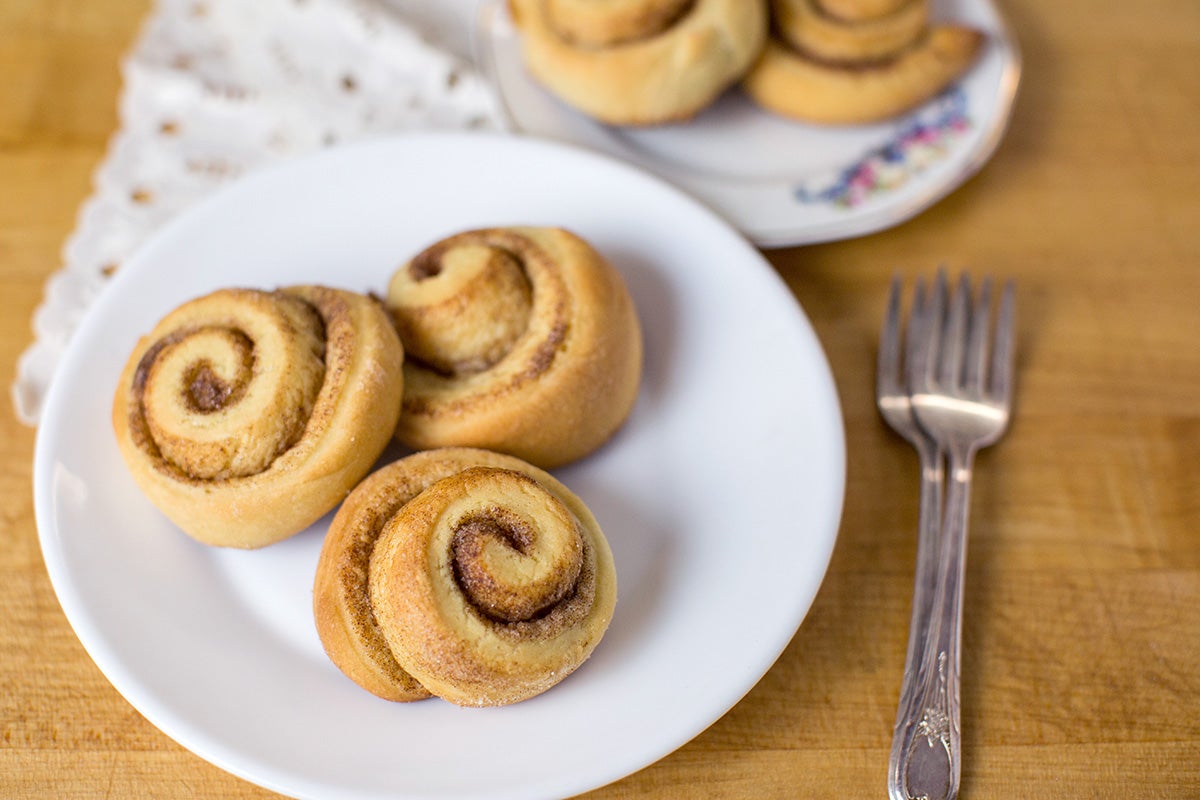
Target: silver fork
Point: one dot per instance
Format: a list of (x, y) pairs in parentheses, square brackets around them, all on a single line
[(960, 389), (891, 396)]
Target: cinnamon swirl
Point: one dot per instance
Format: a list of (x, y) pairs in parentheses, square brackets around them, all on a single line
[(464, 573), (245, 415), (639, 62), (522, 340)]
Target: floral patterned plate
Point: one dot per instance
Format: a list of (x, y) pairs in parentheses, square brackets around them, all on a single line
[(785, 183)]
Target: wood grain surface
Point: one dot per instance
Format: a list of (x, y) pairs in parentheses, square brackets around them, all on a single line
[(1081, 669)]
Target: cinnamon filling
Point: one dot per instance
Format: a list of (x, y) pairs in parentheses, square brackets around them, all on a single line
[(206, 392), (493, 596), (426, 265)]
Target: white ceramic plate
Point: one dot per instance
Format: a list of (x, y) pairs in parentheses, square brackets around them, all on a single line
[(721, 496), (781, 182)]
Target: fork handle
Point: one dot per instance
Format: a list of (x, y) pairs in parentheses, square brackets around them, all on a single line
[(926, 758), (925, 579)]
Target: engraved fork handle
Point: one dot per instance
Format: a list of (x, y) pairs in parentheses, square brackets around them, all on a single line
[(926, 758)]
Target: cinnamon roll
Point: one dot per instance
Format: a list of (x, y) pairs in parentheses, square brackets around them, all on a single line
[(246, 415), (808, 27), (639, 62), (462, 573), (831, 69), (522, 340)]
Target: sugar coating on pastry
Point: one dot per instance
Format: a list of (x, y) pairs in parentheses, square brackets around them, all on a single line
[(639, 62), (522, 340), (245, 415), (464, 573)]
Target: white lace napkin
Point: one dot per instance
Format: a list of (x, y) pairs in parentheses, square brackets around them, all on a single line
[(215, 88)]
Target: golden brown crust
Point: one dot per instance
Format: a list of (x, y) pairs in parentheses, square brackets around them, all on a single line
[(667, 62), (549, 390), (246, 415), (795, 85), (464, 572)]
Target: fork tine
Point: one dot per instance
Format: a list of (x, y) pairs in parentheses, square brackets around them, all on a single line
[(915, 345), (1004, 348), (977, 345), (888, 367), (919, 346), (927, 320), (950, 357)]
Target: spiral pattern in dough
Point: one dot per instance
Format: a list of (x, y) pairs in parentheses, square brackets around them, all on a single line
[(522, 340), (639, 62), (245, 415), (464, 573)]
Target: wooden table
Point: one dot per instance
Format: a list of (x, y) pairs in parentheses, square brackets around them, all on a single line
[(1081, 671)]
